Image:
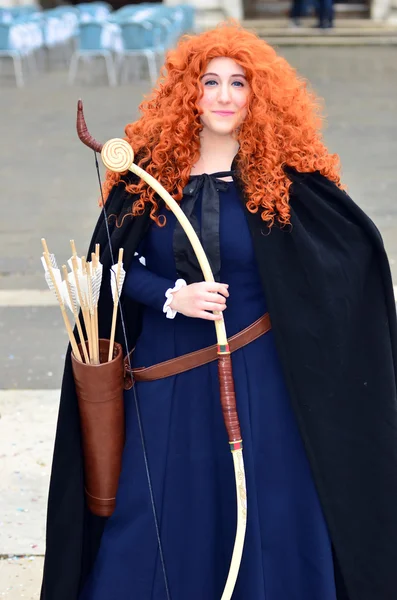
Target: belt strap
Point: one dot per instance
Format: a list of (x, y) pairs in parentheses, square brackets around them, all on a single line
[(183, 363)]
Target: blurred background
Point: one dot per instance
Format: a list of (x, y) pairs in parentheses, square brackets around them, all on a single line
[(109, 54)]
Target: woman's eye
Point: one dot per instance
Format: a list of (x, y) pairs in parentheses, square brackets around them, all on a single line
[(213, 82)]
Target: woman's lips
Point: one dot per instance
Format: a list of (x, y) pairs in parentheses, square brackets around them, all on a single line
[(223, 113)]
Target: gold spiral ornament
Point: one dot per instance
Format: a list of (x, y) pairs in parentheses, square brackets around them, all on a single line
[(117, 155)]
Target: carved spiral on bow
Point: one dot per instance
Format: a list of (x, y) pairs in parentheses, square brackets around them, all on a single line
[(117, 155)]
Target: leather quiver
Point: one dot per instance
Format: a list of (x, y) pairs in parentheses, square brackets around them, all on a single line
[(100, 398)]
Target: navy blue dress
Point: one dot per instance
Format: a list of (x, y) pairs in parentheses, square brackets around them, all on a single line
[(287, 553)]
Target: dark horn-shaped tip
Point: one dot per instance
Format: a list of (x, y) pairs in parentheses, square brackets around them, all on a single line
[(82, 130)]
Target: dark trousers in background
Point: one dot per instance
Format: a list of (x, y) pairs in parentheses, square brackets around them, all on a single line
[(297, 9), (325, 11)]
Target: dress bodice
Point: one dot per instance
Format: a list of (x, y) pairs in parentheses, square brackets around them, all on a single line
[(238, 263), (246, 301)]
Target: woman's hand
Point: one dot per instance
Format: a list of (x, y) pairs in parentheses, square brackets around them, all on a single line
[(198, 300)]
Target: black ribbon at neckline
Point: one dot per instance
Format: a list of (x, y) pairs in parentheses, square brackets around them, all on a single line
[(187, 265)]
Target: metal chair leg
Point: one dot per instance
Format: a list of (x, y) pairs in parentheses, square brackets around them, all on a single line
[(17, 60), (160, 56), (32, 63), (111, 71), (41, 59), (118, 61), (124, 69), (74, 61), (151, 59)]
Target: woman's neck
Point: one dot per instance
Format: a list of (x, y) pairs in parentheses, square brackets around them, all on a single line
[(216, 153)]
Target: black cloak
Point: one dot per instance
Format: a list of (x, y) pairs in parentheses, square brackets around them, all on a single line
[(330, 296)]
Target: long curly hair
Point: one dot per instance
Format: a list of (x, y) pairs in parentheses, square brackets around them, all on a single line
[(282, 126)]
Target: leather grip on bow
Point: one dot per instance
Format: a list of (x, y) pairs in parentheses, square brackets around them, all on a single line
[(228, 397)]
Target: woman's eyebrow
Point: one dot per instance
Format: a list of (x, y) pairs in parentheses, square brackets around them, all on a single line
[(216, 75)]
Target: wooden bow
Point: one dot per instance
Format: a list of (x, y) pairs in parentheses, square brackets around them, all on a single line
[(118, 156)]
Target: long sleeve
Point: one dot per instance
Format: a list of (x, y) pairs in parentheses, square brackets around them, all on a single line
[(144, 286)]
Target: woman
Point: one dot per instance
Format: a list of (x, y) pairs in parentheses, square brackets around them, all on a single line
[(232, 132)]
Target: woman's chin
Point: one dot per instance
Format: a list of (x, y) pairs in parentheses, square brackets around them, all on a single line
[(222, 129)]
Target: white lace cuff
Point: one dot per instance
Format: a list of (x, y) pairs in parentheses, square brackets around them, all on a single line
[(169, 312)]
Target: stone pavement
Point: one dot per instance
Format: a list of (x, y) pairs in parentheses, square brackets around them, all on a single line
[(27, 430), (49, 189), (21, 577)]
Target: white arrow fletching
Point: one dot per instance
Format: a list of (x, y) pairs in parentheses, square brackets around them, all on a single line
[(72, 282), (65, 295), (70, 300), (70, 263), (52, 261), (89, 287), (73, 286), (113, 276), (49, 281), (56, 273), (96, 283), (58, 280), (82, 279)]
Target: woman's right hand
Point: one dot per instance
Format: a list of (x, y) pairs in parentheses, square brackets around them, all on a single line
[(198, 300)]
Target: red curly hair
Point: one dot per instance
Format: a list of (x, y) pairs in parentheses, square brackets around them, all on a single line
[(282, 126)]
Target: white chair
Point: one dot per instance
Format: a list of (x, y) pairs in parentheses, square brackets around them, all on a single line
[(90, 46), (17, 42), (139, 39)]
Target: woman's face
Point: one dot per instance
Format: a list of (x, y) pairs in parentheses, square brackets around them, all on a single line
[(225, 96)]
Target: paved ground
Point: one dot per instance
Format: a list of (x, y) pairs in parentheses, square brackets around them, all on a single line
[(20, 577), (49, 188)]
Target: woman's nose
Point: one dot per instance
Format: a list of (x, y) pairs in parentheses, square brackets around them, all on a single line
[(224, 93)]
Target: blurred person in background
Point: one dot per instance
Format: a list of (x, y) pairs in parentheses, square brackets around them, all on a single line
[(324, 10), (234, 133), (298, 10), (325, 14)]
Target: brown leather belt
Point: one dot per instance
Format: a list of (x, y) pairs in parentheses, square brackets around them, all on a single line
[(183, 363)]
